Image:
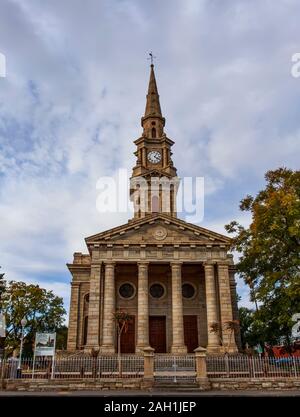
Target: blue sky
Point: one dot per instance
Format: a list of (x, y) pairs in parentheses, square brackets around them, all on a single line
[(71, 103)]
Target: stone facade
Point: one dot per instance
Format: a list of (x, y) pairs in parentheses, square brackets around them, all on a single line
[(183, 257), (172, 277)]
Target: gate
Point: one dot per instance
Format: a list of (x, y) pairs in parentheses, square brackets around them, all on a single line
[(175, 369)]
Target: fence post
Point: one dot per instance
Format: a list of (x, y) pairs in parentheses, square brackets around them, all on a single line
[(201, 370), (148, 367)]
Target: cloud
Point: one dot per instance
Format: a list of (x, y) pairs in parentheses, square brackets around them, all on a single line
[(74, 92)]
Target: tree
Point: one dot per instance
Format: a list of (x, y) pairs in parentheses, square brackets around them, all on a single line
[(270, 246), (61, 338), (220, 329), (122, 319), (252, 328), (42, 309)]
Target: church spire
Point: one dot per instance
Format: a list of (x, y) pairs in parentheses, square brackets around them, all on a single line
[(152, 103), (153, 122)]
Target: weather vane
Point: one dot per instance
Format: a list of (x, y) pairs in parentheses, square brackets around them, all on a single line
[(152, 57)]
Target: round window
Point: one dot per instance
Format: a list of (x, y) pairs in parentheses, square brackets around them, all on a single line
[(157, 290), (188, 291), (126, 290)]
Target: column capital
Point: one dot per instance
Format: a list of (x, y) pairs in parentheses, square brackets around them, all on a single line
[(176, 264), (109, 263), (75, 284), (223, 264), (208, 263), (143, 264), (96, 264)]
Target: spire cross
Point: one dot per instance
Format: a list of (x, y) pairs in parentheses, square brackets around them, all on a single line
[(152, 57)]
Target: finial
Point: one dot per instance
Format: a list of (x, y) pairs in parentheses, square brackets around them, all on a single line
[(152, 57)]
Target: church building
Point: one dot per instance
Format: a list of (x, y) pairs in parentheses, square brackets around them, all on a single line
[(173, 278)]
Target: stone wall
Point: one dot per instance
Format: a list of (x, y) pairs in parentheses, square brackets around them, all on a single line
[(76, 385), (255, 384), (139, 384)]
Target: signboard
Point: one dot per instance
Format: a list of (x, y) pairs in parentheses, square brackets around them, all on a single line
[(45, 344), (2, 325), (258, 349)]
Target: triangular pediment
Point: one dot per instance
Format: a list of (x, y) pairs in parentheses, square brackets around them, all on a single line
[(159, 229)]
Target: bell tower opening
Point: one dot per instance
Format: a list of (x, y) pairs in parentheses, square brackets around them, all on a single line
[(155, 204)]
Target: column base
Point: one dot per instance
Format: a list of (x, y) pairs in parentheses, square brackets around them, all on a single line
[(89, 348), (230, 349), (107, 350), (214, 349), (140, 348), (181, 350)]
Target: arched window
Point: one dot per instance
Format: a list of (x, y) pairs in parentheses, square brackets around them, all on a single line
[(153, 132)]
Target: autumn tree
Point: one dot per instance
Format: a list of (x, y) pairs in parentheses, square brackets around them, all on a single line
[(42, 309), (270, 248)]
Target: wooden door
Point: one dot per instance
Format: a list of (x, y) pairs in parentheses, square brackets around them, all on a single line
[(190, 333), (128, 338), (157, 333)]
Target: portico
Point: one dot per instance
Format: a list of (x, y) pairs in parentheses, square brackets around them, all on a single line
[(172, 291)]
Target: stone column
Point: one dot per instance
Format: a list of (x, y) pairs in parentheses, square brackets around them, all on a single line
[(178, 345), (213, 344), (226, 306), (94, 309), (108, 331), (235, 310), (73, 317), (143, 307)]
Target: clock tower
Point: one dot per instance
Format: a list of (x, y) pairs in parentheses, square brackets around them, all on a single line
[(154, 182)]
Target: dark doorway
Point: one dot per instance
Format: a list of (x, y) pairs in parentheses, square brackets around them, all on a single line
[(128, 338), (190, 333), (157, 333)]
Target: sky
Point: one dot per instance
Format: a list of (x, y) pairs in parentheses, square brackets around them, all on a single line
[(70, 107)]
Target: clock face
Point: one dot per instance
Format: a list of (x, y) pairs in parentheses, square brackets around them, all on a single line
[(154, 157)]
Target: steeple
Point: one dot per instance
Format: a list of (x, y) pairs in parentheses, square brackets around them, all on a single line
[(153, 122), (154, 182), (152, 103)]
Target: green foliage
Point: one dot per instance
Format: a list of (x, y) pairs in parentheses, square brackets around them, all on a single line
[(251, 327), (61, 338), (42, 309), (270, 250)]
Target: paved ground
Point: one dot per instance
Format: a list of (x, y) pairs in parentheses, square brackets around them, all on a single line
[(151, 394)]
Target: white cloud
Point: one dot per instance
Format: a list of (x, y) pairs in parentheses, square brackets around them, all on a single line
[(75, 90)]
